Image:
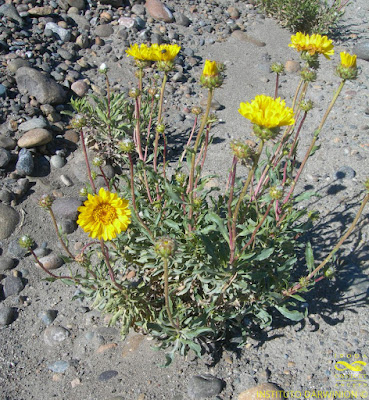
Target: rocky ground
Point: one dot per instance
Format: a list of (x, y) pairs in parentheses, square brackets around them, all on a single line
[(55, 348)]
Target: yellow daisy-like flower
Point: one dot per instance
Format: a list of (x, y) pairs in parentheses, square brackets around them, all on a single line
[(104, 215), (348, 60), (267, 112), (312, 44), (210, 68), (142, 52), (164, 52)]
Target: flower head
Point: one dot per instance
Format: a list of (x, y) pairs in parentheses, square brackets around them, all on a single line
[(314, 44), (164, 52), (267, 112), (347, 69), (210, 68), (142, 52), (103, 69), (104, 215), (211, 77)]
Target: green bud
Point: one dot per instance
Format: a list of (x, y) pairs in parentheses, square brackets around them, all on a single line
[(26, 242), (276, 192), (330, 272), (134, 93), (79, 121), (312, 60), (241, 150), (308, 75), (83, 192), (196, 110), (165, 247), (303, 281), (211, 82), (126, 146), (152, 91), (97, 161), (347, 73), (266, 133), (160, 128), (165, 66), (93, 175), (180, 178), (306, 105), (278, 68), (197, 203), (46, 201)]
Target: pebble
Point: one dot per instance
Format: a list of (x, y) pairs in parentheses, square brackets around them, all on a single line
[(33, 123), (25, 163), (106, 375), (6, 263), (7, 143), (362, 50), (67, 226), (291, 66), (9, 219), (80, 4), (9, 11), (2, 91), (58, 366), (35, 137), (7, 315), (34, 83), (63, 34), (104, 30), (66, 180), (15, 250), (254, 392), (157, 10), (14, 65), (12, 285), (48, 317), (57, 161), (66, 208), (203, 386), (5, 157), (40, 11), (80, 88), (181, 19), (345, 172), (54, 335), (51, 261)]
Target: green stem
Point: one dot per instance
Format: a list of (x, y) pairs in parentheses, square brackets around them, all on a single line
[(166, 294), (110, 269), (86, 161)]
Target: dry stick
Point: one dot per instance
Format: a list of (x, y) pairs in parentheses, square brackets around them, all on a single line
[(159, 120), (134, 198), (58, 233), (166, 294), (189, 139), (86, 161), (316, 135), (335, 249), (105, 252)]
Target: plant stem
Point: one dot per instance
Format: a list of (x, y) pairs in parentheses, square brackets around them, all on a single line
[(58, 233), (276, 86), (110, 269), (189, 139), (232, 181), (86, 161), (149, 127), (296, 94), (166, 294)]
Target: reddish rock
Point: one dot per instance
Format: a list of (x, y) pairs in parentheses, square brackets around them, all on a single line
[(157, 10), (292, 66)]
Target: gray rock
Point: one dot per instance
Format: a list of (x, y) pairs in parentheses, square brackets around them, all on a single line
[(2, 91), (51, 261), (203, 386), (25, 162), (181, 19), (362, 50), (66, 180), (138, 9), (81, 21), (127, 22), (34, 83), (9, 219), (9, 11), (65, 54), (345, 172), (6, 263), (54, 335), (104, 30), (17, 63), (12, 285), (15, 250), (7, 143), (83, 41), (57, 161), (114, 3), (80, 88), (7, 315), (48, 317), (6, 196), (20, 187), (5, 157), (66, 208), (80, 4), (34, 123), (63, 34), (58, 366), (67, 226), (106, 375)]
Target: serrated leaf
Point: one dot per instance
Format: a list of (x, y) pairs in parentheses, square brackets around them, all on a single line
[(293, 315)]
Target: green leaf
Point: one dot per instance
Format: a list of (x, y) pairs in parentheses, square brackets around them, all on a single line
[(309, 256), (293, 315), (171, 193), (305, 196), (172, 224), (297, 297), (266, 253), (212, 217)]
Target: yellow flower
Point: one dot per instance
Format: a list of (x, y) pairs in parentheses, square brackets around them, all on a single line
[(312, 44), (142, 52), (104, 215), (210, 68), (267, 112), (347, 60), (164, 52)]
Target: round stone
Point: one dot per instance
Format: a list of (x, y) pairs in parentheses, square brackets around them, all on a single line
[(35, 137), (104, 30), (6, 263), (292, 66), (66, 208), (54, 335), (106, 375), (25, 163), (203, 386), (345, 172), (5, 157), (34, 123), (7, 315), (9, 219), (12, 285), (58, 366), (47, 317), (51, 261), (80, 88), (57, 161)]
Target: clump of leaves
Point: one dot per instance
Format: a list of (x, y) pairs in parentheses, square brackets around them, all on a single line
[(309, 16)]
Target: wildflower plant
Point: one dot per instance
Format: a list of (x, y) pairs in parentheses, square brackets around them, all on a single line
[(179, 260)]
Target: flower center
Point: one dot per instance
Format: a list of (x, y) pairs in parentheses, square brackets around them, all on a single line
[(105, 214)]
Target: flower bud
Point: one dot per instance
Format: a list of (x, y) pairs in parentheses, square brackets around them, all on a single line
[(347, 68), (241, 150), (165, 66), (303, 281), (134, 93), (312, 60), (93, 175), (152, 91), (81, 258), (266, 133), (83, 192), (196, 110), (330, 272), (97, 161), (278, 68), (160, 128), (103, 69), (197, 203), (276, 192), (126, 146), (308, 75), (306, 105), (46, 201), (180, 178), (26, 242), (79, 121), (165, 247), (366, 184)]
